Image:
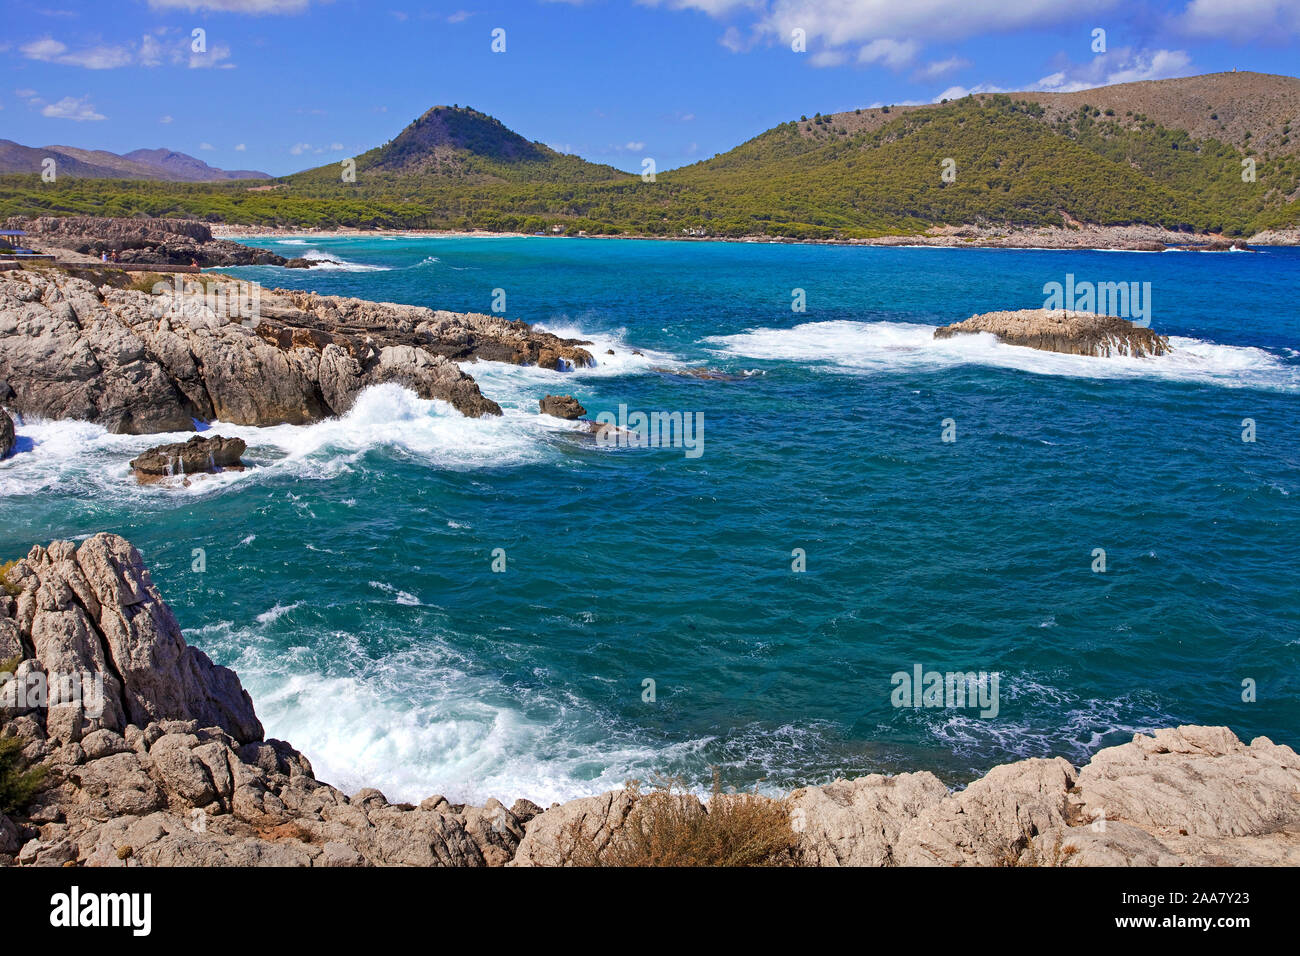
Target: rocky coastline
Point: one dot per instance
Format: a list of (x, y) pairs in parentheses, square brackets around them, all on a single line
[(160, 242), (1131, 238), (154, 756), (140, 362)]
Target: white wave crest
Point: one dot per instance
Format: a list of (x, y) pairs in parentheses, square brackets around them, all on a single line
[(881, 347), (80, 457), (328, 262)]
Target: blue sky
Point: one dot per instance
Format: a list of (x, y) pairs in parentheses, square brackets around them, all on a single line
[(281, 85)]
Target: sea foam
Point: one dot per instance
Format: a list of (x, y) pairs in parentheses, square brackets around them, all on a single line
[(883, 347)]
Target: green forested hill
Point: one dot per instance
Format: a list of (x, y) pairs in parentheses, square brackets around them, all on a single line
[(1028, 160)]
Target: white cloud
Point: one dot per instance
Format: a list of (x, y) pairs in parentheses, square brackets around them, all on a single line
[(1121, 65), (957, 92), (151, 53), (255, 7), (49, 50), (206, 147), (460, 16), (46, 49), (1241, 19), (72, 108), (165, 120), (297, 149), (938, 68), (634, 146), (828, 58), (1152, 66), (212, 59), (894, 54), (735, 41), (833, 24), (240, 147)]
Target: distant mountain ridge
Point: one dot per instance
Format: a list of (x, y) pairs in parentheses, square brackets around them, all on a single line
[(1217, 154), (458, 142), (164, 165)]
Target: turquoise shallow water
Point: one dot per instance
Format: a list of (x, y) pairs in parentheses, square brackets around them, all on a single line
[(349, 579)]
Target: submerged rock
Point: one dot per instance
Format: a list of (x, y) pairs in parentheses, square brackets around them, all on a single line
[(1074, 333), (704, 374), (199, 455), (562, 406), (1218, 245)]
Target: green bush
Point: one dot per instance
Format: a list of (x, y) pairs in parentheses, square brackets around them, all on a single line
[(17, 783)]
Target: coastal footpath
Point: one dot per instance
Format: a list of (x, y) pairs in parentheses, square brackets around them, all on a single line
[(95, 348), (152, 755)]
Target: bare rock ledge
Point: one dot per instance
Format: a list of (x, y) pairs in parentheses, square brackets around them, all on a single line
[(1074, 333), (177, 741), (199, 455), (140, 363)]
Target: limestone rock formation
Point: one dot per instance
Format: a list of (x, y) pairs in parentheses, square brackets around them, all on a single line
[(552, 838), (6, 433), (166, 764), (1074, 333), (160, 241), (90, 616), (139, 363), (562, 406), (196, 456), (856, 822)]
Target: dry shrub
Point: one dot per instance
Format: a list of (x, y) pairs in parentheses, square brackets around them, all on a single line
[(5, 584), (669, 827)]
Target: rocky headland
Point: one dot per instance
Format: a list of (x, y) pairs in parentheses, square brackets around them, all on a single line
[(152, 755), (137, 241), (1074, 333), (141, 362)]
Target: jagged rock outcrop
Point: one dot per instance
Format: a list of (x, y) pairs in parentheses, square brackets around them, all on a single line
[(196, 456), (1075, 333), (139, 362), (92, 618), (7, 436), (553, 837), (460, 336), (562, 406), (168, 766), (857, 822), (152, 241)]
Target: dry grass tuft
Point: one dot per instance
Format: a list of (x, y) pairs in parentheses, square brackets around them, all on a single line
[(670, 827)]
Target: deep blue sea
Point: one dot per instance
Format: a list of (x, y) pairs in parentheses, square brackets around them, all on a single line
[(349, 574)]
